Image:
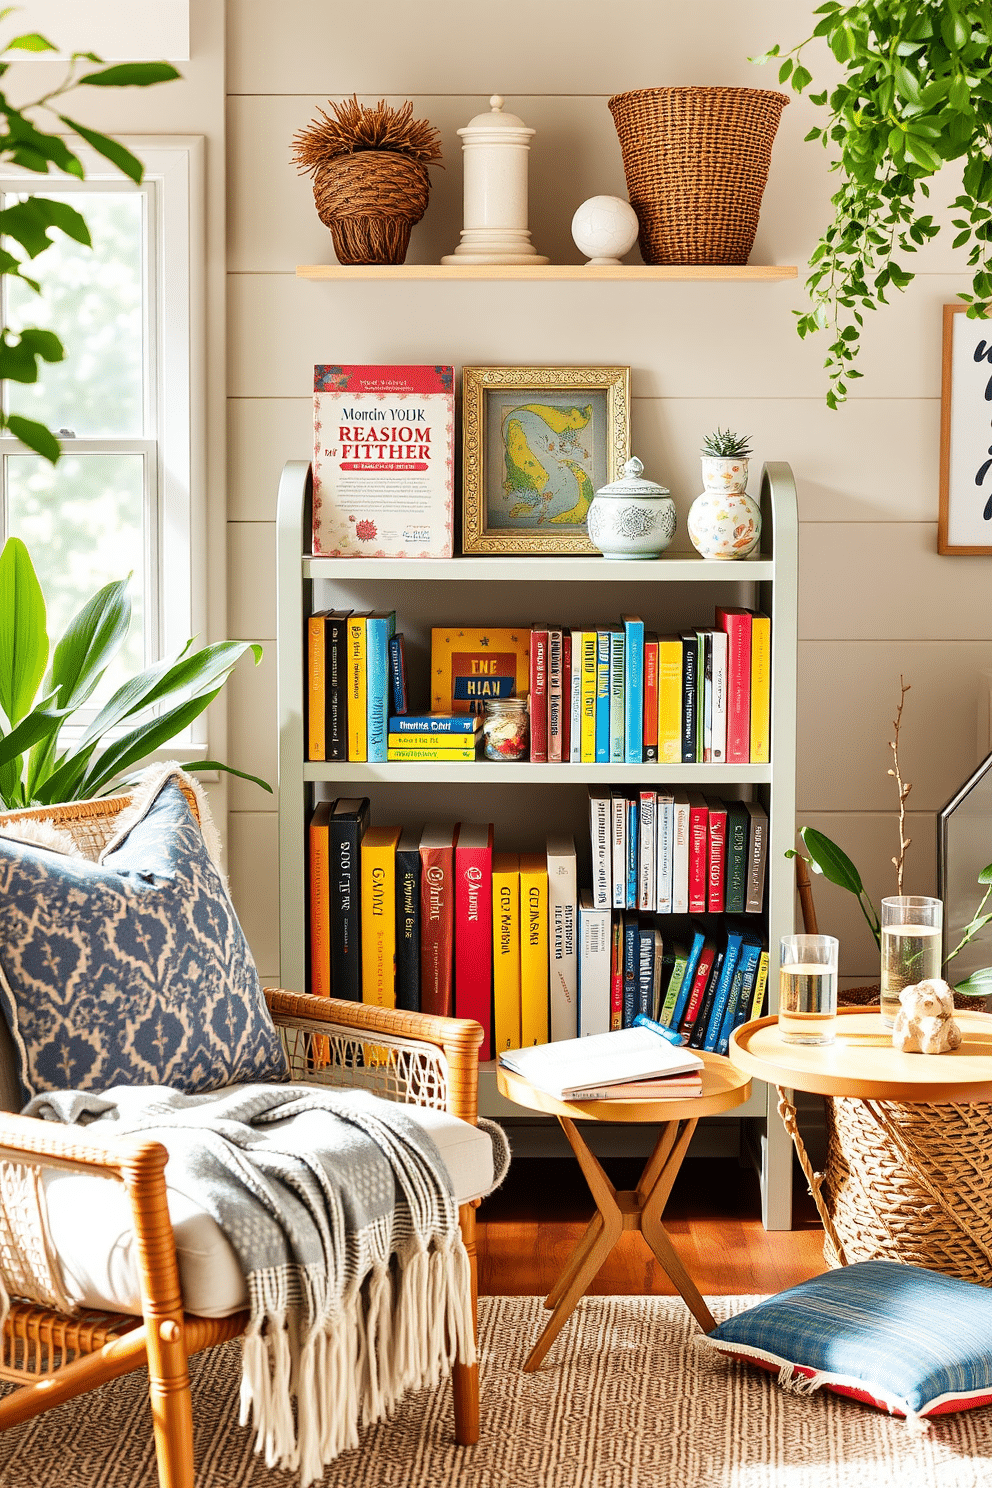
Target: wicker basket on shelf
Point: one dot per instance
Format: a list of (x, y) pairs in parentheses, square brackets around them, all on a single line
[(696, 162)]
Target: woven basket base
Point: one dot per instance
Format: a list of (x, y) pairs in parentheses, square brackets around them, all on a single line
[(370, 201), (370, 240)]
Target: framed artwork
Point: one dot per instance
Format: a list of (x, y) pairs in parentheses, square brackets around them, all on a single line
[(965, 522), (538, 443)]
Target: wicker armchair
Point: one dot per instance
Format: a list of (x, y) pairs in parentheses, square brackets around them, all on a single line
[(55, 1355)]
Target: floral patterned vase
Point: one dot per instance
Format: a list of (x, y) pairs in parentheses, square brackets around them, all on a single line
[(724, 474), (724, 524), (631, 517)]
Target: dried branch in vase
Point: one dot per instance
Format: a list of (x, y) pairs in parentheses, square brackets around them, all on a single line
[(902, 788)]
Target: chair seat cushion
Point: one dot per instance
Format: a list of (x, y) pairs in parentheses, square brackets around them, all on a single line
[(90, 1224)]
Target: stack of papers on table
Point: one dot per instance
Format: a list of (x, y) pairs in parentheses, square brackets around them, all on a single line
[(574, 1068)]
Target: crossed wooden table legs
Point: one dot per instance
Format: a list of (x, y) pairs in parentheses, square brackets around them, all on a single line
[(637, 1209)]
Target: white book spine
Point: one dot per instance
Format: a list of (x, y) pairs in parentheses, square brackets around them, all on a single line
[(575, 702), (599, 834), (594, 970), (619, 843), (719, 697), (563, 960), (680, 855), (646, 853), (664, 830)]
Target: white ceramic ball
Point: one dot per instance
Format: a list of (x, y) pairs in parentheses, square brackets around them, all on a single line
[(605, 228)]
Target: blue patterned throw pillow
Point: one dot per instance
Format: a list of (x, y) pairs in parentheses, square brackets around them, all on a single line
[(133, 970), (912, 1342)]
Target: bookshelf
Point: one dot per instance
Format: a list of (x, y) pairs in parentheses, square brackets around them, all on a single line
[(549, 273), (525, 800)]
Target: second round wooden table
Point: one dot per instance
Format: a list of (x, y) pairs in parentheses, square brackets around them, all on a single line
[(635, 1209)]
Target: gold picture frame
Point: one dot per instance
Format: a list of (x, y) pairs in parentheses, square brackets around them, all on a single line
[(516, 498)]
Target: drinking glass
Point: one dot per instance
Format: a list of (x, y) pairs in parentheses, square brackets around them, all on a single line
[(912, 927), (807, 991)]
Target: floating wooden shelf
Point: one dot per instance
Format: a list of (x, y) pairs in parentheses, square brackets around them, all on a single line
[(547, 272), (542, 569), (522, 772)]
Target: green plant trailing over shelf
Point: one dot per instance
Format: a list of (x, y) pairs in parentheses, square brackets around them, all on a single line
[(143, 715), (723, 445), (916, 93)]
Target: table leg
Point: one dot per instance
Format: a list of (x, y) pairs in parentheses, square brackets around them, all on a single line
[(575, 1260)]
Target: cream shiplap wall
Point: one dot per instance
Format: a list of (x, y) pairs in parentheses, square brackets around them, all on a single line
[(876, 600)]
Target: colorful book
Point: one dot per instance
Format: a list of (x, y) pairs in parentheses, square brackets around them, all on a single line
[(533, 949), (735, 867), (633, 852), (336, 685), (673, 987), (599, 837), (617, 695), (471, 665), (705, 644), (721, 1002), (319, 862), (358, 718), (566, 696), (690, 702), (670, 700), (618, 848), (716, 854), (761, 688), (645, 970), (575, 647), (666, 1087), (665, 837), (760, 987), (379, 916), (680, 852), (431, 741), (408, 920), (658, 969), (631, 946), (594, 967), (616, 973), (379, 629), (646, 851), (634, 688), (556, 698), (539, 694), (698, 852), (431, 752), (437, 919), (397, 675), (741, 992), (348, 825), (697, 1034), (737, 624), (588, 713), (650, 698), (506, 952), (700, 981), (603, 646), (437, 723), (757, 857), (474, 928), (688, 977), (719, 696), (562, 925), (316, 685)]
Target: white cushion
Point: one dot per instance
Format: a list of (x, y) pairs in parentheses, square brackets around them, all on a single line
[(90, 1224)]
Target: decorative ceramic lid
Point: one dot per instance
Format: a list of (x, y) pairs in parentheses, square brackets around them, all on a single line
[(631, 484), (496, 121)]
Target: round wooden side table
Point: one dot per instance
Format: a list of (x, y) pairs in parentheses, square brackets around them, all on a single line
[(637, 1209), (908, 1173)]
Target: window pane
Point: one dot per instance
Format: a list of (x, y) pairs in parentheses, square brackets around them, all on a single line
[(83, 524), (92, 299)]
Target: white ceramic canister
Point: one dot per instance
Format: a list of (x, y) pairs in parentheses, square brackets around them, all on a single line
[(631, 517), (495, 150)]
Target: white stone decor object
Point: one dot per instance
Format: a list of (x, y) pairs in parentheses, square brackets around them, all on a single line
[(495, 148), (925, 1020), (605, 228), (631, 517)]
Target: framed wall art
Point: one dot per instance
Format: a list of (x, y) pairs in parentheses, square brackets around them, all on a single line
[(538, 443), (965, 522)]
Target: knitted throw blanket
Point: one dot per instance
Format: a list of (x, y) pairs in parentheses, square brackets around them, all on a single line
[(317, 1190)]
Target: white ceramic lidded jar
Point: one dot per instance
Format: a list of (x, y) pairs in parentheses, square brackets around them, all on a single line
[(495, 150), (632, 517)]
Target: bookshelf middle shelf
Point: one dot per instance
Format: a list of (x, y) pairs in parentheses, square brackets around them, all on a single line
[(489, 772)]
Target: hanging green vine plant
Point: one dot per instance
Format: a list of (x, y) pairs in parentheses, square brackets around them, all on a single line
[(916, 93)]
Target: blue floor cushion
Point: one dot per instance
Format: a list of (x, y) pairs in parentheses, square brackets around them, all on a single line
[(909, 1341), (133, 970)]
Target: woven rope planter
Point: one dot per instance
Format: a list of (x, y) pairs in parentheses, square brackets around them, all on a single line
[(370, 200), (696, 162)]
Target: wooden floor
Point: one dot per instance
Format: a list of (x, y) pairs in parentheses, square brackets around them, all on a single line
[(528, 1228)]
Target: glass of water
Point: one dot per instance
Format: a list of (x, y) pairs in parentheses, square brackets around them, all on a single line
[(807, 991), (912, 928)]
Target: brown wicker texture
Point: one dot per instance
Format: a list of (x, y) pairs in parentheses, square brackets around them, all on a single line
[(91, 824), (696, 162), (370, 201), (911, 1183)]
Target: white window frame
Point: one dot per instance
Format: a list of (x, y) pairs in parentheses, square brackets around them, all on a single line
[(174, 442)]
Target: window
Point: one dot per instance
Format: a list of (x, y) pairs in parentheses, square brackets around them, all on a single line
[(127, 401)]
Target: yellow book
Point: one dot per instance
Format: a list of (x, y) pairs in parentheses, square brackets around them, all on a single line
[(316, 687), (533, 949), (761, 688), (760, 983), (506, 951), (669, 700), (358, 720), (469, 665), (465, 755), (588, 715), (379, 916)]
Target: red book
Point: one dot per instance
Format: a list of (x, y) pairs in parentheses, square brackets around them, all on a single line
[(703, 968), (437, 919), (566, 695), (616, 973), (650, 698), (698, 852), (737, 624), (555, 697), (474, 928), (716, 855), (539, 694)]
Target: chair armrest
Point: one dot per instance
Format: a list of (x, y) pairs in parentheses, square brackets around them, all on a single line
[(458, 1038), (49, 1144)]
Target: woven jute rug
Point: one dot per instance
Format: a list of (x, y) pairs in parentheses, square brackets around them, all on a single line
[(625, 1399)]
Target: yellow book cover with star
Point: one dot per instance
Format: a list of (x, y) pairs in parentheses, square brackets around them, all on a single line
[(470, 666)]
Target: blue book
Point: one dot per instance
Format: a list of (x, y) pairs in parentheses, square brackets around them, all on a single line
[(617, 691), (397, 673), (739, 1005), (633, 741), (722, 997), (698, 940), (602, 697), (633, 848), (645, 970), (631, 949), (435, 723), (379, 630)]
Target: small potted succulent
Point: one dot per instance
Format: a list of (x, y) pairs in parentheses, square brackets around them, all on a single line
[(724, 522)]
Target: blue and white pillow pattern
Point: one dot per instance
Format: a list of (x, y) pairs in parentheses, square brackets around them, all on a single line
[(133, 970), (912, 1342)]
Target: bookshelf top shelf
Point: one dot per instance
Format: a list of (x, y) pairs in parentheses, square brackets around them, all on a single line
[(678, 570), (489, 772), (549, 272)]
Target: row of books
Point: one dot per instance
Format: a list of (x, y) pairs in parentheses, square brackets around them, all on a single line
[(350, 660), (677, 852)]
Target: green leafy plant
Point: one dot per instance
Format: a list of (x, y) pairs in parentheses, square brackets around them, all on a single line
[(25, 226), (42, 691), (723, 445), (916, 93)]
